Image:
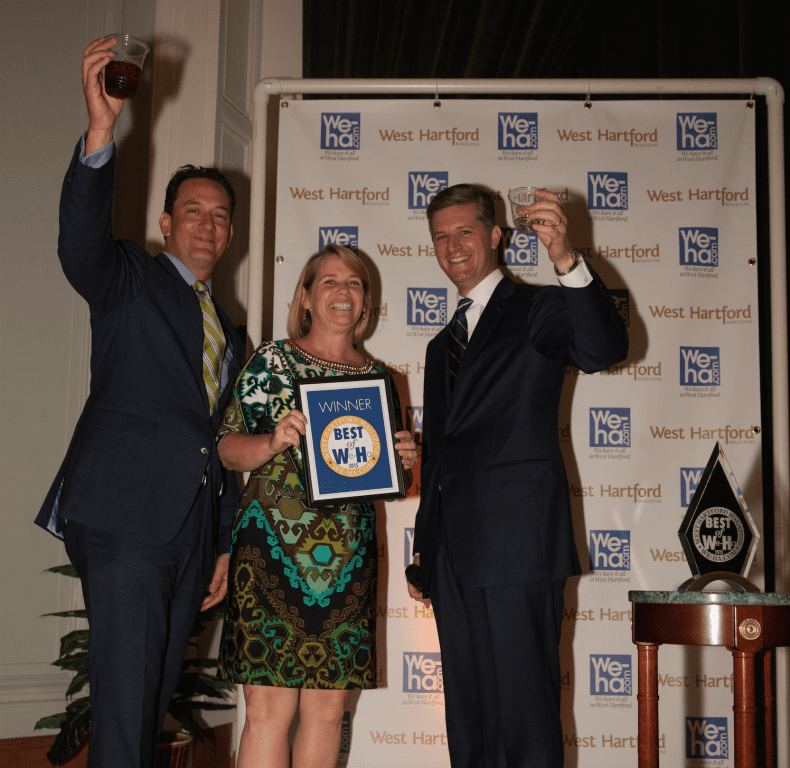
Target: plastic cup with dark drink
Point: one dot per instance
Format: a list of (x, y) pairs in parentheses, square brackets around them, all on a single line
[(523, 197), (122, 74)]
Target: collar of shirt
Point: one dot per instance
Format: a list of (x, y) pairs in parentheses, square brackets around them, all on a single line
[(480, 296), (185, 271)]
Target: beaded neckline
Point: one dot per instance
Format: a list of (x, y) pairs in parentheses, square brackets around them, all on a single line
[(330, 364)]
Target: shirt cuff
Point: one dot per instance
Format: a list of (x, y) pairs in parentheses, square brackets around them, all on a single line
[(579, 278), (98, 158)]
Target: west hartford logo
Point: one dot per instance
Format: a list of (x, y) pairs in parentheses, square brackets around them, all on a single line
[(521, 248), (348, 237), (697, 131), (699, 246), (610, 675), (689, 480), (707, 737), (607, 191), (700, 367), (426, 306), (518, 130), (610, 550), (610, 427), (340, 130), (422, 672), (424, 186)]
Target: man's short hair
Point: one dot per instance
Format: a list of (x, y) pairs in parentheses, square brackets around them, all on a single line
[(464, 194), (196, 172)]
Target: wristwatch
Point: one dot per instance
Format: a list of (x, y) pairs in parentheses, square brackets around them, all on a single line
[(577, 259)]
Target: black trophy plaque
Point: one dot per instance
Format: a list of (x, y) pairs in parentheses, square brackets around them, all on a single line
[(718, 534)]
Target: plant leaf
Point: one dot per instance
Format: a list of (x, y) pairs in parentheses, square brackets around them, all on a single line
[(76, 662), (72, 731), (77, 682), (76, 640), (51, 721), (63, 570), (78, 614)]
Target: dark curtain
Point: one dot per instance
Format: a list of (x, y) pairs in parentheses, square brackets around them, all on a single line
[(538, 39), (570, 39)]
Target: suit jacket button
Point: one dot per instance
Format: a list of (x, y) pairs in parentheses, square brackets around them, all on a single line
[(204, 451), (450, 437)]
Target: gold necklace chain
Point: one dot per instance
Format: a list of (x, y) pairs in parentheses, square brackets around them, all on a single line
[(331, 365)]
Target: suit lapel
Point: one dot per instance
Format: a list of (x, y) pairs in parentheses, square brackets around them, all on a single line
[(489, 320)]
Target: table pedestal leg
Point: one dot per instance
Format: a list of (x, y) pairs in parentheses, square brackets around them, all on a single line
[(768, 697), (647, 698), (745, 709)]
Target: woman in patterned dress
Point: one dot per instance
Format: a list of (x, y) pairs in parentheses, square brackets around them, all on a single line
[(300, 628)]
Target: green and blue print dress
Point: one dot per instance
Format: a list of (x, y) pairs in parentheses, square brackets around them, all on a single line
[(302, 582)]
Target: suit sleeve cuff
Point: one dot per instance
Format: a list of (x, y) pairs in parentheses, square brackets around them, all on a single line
[(98, 158), (579, 278)]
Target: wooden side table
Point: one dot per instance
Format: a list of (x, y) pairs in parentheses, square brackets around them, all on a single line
[(748, 624)]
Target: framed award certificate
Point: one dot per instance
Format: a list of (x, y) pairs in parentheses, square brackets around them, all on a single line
[(349, 449)]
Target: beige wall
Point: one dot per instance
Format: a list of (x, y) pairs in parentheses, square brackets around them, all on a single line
[(191, 108)]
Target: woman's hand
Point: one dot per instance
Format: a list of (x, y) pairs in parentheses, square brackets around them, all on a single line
[(287, 432), (407, 449), (244, 453)]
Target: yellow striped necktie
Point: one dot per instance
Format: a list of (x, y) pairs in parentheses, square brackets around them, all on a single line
[(213, 344)]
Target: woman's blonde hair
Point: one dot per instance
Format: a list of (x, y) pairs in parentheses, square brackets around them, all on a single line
[(299, 319)]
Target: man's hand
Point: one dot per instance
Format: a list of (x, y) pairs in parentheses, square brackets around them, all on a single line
[(416, 593), (219, 583), (103, 110), (553, 233)]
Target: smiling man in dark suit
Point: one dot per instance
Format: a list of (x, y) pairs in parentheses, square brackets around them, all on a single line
[(141, 498), (493, 533)]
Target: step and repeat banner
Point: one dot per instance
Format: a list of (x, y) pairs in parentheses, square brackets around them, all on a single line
[(661, 202)]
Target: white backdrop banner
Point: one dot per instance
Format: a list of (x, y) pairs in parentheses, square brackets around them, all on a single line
[(661, 200)]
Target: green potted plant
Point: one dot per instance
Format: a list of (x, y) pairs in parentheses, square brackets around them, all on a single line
[(75, 722)]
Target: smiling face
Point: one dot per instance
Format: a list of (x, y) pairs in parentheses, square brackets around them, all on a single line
[(199, 229), (465, 249), (336, 298)]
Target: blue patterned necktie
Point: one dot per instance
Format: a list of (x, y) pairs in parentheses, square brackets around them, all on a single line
[(459, 337), (213, 344)]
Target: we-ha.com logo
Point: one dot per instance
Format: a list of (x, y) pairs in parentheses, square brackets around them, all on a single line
[(348, 237), (424, 186), (610, 675), (521, 248), (622, 303), (426, 306), (610, 427), (607, 191), (518, 130), (340, 130), (422, 672), (414, 414), (707, 737), (699, 246), (700, 367), (689, 480), (610, 550), (697, 131)]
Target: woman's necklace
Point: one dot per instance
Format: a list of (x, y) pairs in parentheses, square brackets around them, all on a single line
[(331, 365)]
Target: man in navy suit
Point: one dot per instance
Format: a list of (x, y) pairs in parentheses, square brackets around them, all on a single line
[(141, 498), (493, 533)]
